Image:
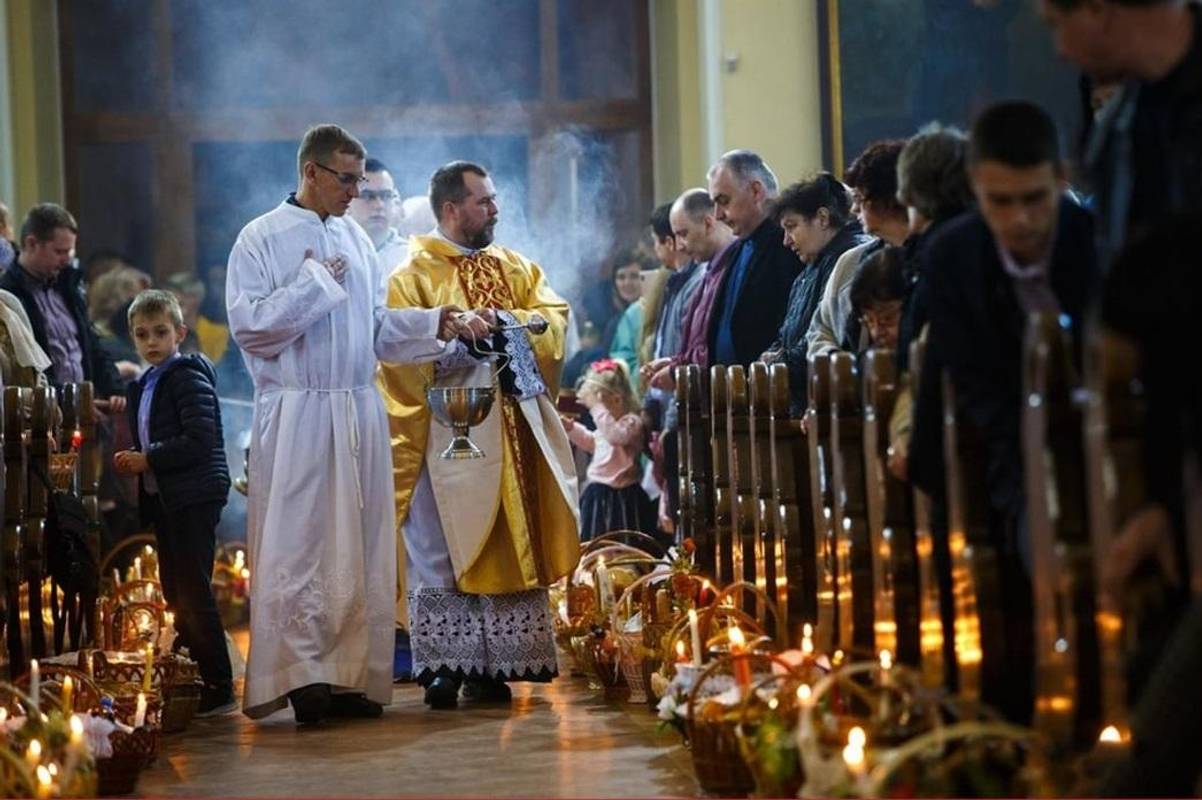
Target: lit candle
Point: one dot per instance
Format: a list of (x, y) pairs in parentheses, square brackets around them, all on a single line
[(116, 578), (680, 654), (148, 673), (35, 682), (76, 729), (3, 715), (34, 754), (738, 651), (140, 714), (804, 693), (1110, 735), (76, 439), (853, 757), (91, 667), (807, 639), (695, 636), (44, 781), (138, 568), (886, 684), (68, 694)]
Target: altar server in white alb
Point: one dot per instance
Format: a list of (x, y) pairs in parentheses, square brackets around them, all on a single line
[(306, 305)]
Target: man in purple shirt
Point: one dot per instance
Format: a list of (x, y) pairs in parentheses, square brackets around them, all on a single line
[(51, 292)]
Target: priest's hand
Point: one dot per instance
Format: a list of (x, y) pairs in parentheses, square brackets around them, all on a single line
[(449, 326), (130, 462), (477, 325)]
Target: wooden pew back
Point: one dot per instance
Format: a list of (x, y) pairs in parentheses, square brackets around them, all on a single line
[(854, 561), (818, 437)]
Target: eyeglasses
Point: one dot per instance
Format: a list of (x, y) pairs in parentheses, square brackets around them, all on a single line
[(347, 179), (383, 195)]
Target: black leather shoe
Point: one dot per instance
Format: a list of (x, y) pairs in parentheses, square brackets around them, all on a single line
[(487, 690), (355, 706), (443, 693), (310, 703)]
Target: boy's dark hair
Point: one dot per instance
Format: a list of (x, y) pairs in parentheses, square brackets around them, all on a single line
[(880, 279), (447, 185), (1016, 133), (823, 190), (321, 142), (660, 226), (44, 219), (153, 302), (374, 165), (874, 174)]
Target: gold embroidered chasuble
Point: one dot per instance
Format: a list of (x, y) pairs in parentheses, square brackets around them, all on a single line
[(534, 538)]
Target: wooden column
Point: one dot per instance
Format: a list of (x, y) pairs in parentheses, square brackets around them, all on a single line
[(818, 433), (796, 548)]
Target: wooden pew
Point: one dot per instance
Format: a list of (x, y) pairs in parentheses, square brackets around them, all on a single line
[(16, 464), (1113, 422), (696, 453), (770, 544), (936, 669), (797, 542), (818, 437), (976, 591), (685, 526), (890, 519), (747, 548), (850, 512), (41, 430), (724, 566), (1065, 647)]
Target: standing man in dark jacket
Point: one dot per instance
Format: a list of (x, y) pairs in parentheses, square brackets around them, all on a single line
[(754, 295), (184, 483), (51, 291), (1028, 249)]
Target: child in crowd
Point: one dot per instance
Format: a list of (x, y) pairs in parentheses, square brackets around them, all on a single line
[(179, 456), (613, 499)]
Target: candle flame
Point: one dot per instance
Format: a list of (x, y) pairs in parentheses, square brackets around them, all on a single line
[(735, 634), (52, 769), (245, 572), (680, 648), (149, 550), (886, 659), (853, 757), (1110, 734), (44, 776), (857, 738), (807, 630), (804, 692), (76, 728), (35, 749), (3, 715)]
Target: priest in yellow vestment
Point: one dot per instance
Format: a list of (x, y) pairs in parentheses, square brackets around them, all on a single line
[(483, 538)]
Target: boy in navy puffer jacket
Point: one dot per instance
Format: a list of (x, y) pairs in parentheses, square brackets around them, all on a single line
[(179, 455)]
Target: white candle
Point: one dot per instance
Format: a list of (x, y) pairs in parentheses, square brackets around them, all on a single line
[(604, 587), (35, 682), (45, 779), (68, 695), (807, 639), (116, 578), (695, 635), (140, 714), (90, 665), (138, 568), (886, 684), (34, 754)]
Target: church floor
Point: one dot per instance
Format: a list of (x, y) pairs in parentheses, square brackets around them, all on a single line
[(556, 740)]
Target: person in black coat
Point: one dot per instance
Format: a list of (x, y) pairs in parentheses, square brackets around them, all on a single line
[(1028, 249), (42, 277), (751, 302), (179, 454)]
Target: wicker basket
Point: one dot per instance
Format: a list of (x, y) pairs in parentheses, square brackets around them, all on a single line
[(714, 741), (132, 753)]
